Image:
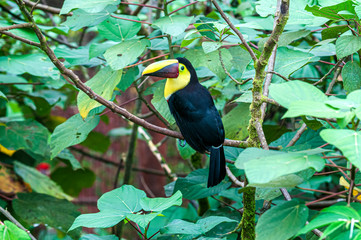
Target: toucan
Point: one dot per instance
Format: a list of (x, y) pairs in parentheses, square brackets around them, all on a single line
[(193, 108)]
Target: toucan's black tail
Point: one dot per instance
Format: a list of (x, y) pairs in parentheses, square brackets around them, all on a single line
[(217, 166)]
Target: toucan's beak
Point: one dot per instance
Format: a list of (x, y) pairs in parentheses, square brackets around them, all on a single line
[(165, 69)]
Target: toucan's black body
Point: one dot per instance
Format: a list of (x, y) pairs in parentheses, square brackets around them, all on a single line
[(199, 121)]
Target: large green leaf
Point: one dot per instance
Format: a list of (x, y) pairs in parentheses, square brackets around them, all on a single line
[(103, 219), (128, 77), (194, 186), (314, 109), (81, 178), (160, 204), (202, 226), (19, 64), (173, 25), (9, 231), (39, 182), (160, 103), (266, 168), (78, 56), (351, 75), (282, 222), (289, 60), (210, 60), (73, 131), (286, 93), (334, 12), (103, 84), (125, 199), (81, 18), (119, 30), (125, 53), (35, 208), (28, 135), (347, 45), (90, 6), (348, 141), (236, 122), (95, 237)]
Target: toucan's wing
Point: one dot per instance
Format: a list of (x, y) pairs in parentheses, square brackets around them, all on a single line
[(197, 117)]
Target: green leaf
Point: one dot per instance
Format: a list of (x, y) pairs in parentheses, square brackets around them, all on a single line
[(67, 155), (179, 226), (19, 64), (103, 84), (333, 32), (289, 61), (9, 231), (2, 96), (142, 219), (97, 141), (210, 46), (125, 53), (125, 199), (288, 37), (240, 58), (128, 77), (81, 18), (194, 186), (90, 6), (236, 122), (282, 221), (202, 226), (210, 60), (28, 135), (103, 219), (186, 151), (288, 92), (332, 12), (347, 141), (78, 56), (38, 181), (351, 75), (81, 178), (345, 211), (75, 130), (95, 237), (267, 168), (160, 204), (97, 49), (314, 109), (320, 221), (119, 30), (35, 208), (173, 25), (160, 103), (347, 45)]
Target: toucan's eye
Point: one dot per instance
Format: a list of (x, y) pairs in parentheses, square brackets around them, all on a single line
[(182, 68)]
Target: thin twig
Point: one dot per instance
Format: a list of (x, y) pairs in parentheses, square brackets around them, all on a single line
[(225, 70), (352, 184), (239, 34), (131, 20), (297, 135), (329, 72), (261, 136), (22, 25), (183, 7), (334, 79), (142, 5), (45, 8), (13, 220), (233, 178), (24, 40), (280, 75)]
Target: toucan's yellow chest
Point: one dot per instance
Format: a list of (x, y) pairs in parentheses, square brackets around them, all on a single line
[(174, 84)]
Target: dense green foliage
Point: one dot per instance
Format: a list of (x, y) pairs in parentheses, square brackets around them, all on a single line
[(306, 141)]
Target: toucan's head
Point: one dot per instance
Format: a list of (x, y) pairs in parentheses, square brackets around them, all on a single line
[(179, 73)]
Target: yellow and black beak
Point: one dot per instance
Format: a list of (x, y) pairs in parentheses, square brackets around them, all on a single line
[(165, 69)]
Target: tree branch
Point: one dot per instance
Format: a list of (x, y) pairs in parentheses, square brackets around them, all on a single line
[(45, 8), (24, 40), (239, 34), (298, 135), (22, 25), (13, 220)]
